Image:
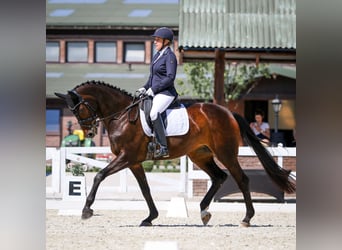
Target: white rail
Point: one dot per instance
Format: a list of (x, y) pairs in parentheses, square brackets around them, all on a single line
[(280, 152), (58, 157), (188, 174)]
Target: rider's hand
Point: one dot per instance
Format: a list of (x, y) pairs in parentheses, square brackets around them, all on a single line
[(140, 91), (150, 92)]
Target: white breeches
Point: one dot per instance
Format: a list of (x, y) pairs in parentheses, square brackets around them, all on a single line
[(159, 105)]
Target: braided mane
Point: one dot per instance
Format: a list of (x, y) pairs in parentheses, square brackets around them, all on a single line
[(100, 83)]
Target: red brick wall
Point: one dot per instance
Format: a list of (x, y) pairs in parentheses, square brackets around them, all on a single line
[(199, 187), (52, 141), (252, 162)]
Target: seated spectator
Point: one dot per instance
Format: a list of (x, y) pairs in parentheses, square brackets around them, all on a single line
[(260, 128)]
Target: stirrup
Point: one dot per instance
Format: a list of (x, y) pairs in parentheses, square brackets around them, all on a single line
[(161, 152)]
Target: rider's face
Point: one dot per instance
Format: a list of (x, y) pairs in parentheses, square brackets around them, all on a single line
[(158, 43)]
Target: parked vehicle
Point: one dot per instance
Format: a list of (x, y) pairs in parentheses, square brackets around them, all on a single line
[(76, 138)]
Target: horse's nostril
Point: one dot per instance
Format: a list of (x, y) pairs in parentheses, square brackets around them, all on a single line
[(90, 134)]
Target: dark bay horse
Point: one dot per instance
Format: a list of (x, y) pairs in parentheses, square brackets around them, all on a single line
[(214, 133)]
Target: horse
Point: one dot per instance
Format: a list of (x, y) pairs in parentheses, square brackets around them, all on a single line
[(215, 133)]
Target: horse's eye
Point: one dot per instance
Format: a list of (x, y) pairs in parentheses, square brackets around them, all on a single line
[(83, 111)]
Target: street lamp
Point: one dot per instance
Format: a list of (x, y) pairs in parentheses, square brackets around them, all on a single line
[(276, 104)]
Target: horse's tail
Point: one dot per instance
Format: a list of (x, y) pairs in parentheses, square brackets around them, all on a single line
[(279, 175)]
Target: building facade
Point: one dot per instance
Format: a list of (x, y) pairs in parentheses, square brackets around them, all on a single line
[(110, 41)]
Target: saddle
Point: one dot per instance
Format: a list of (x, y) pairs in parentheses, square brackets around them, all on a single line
[(146, 106), (175, 119)]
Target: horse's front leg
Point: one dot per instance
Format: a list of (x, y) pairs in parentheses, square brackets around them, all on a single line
[(139, 174), (116, 165)]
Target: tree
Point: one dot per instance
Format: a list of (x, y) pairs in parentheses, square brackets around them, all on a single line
[(238, 79), (200, 76)]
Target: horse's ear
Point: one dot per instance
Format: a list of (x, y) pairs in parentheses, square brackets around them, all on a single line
[(74, 96), (62, 96)]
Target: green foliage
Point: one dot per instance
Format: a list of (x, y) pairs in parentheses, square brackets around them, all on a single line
[(148, 165), (200, 76), (77, 170), (48, 169), (238, 78), (94, 169), (241, 77)]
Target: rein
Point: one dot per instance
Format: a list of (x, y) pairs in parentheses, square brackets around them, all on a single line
[(117, 115)]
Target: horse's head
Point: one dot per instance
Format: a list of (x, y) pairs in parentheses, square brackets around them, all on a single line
[(84, 111)]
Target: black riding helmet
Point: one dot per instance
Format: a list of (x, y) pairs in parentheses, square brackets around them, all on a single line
[(164, 33)]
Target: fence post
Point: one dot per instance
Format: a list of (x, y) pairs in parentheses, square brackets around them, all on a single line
[(190, 181), (53, 155), (62, 157), (183, 174), (56, 171), (123, 181), (280, 155)]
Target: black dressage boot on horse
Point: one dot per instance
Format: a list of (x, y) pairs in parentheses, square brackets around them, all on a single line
[(159, 132)]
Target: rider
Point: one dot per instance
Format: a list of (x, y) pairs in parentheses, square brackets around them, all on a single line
[(160, 85)]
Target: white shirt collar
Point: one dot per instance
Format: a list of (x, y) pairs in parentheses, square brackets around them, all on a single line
[(163, 50), (161, 53)]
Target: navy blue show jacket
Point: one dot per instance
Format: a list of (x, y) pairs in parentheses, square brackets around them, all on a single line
[(163, 74)]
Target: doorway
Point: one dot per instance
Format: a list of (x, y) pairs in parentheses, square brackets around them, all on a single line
[(252, 106)]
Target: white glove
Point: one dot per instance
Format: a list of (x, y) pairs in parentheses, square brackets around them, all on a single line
[(150, 92), (140, 91)]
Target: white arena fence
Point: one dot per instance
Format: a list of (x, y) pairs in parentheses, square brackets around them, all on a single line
[(279, 152), (188, 174)]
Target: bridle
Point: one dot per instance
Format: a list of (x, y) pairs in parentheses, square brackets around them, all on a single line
[(94, 119)]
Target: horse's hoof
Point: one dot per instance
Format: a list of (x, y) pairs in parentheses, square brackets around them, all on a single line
[(87, 213), (245, 224), (145, 224), (205, 216)]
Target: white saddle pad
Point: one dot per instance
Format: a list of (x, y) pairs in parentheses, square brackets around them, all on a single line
[(177, 122)]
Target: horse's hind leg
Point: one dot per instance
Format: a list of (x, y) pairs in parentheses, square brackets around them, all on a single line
[(203, 158), (139, 174), (242, 181)]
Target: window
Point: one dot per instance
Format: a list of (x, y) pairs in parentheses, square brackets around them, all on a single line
[(77, 52), (154, 51), (52, 52), (105, 52), (134, 52), (52, 121)]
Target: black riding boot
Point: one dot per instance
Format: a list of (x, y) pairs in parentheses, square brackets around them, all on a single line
[(159, 132)]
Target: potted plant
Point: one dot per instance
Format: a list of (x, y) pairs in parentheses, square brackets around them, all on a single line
[(77, 170)]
